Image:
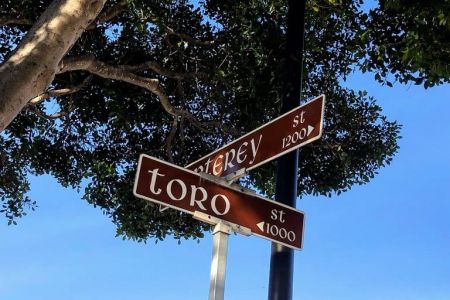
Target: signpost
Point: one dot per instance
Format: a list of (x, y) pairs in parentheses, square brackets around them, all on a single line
[(199, 190), (281, 258), (164, 183), (286, 133)]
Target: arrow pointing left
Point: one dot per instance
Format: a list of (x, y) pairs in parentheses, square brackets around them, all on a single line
[(261, 226), (178, 188)]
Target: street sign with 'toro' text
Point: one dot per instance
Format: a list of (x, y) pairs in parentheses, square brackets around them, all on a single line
[(164, 183)]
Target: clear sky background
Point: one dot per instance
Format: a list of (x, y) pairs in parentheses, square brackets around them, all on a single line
[(386, 240), (389, 239)]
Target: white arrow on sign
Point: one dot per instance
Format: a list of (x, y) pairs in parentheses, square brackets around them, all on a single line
[(288, 132), (261, 226), (163, 183)]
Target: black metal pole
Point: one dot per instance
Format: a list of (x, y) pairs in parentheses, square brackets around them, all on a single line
[(282, 258)]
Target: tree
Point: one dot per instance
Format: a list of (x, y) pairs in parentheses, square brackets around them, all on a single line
[(407, 41), (176, 81), (36, 58)]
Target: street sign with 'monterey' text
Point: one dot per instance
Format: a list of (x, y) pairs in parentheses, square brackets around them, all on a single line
[(164, 183), (286, 133)]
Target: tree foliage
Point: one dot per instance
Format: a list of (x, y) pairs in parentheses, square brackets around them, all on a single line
[(407, 41), (176, 80)]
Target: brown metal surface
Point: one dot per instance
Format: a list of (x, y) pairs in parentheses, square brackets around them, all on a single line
[(185, 190), (288, 132)]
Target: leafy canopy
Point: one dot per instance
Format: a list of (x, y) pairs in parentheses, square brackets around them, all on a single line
[(177, 80)]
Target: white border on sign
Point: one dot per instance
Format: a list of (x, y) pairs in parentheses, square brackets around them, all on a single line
[(266, 124), (225, 186)]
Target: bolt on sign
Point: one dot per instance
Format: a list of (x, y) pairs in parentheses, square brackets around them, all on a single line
[(164, 183), (286, 133)]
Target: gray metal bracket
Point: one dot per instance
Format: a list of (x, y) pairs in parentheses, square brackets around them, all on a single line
[(201, 216), (225, 182), (236, 175)]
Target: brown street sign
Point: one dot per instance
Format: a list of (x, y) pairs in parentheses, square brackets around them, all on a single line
[(286, 133), (164, 183)]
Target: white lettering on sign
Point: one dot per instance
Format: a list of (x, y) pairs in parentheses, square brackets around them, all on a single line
[(294, 138), (242, 152), (214, 206), (276, 231), (196, 196), (195, 201), (242, 149), (182, 186), (297, 121), (229, 161), (207, 164), (255, 148), (299, 135), (277, 215), (217, 164), (153, 182)]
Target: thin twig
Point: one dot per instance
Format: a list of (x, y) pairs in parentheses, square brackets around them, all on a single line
[(170, 139), (48, 117)]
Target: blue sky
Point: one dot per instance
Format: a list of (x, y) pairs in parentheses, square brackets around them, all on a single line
[(389, 239)]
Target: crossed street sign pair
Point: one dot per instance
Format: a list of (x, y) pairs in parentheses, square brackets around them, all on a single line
[(187, 190)]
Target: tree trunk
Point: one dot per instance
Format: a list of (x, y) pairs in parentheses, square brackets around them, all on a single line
[(32, 67)]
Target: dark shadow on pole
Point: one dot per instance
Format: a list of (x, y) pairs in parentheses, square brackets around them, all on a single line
[(282, 258)]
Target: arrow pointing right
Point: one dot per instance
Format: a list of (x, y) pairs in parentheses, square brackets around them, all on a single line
[(296, 128), (261, 226), (310, 129)]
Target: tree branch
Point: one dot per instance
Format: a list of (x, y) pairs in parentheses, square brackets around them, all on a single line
[(60, 92), (187, 38), (170, 139), (32, 66), (49, 117), (109, 14), (14, 20), (91, 65), (121, 73), (157, 68)]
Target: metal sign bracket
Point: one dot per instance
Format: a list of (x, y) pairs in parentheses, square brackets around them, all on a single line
[(226, 182), (236, 175), (201, 216)]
